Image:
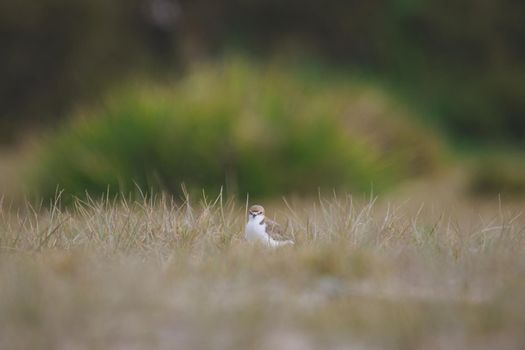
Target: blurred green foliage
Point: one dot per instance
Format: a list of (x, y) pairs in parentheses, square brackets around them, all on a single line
[(495, 173), (263, 130), (461, 60), (57, 54)]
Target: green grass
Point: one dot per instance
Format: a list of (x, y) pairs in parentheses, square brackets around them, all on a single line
[(159, 273), (224, 125)]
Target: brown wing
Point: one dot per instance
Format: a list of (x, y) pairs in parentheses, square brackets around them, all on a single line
[(275, 231)]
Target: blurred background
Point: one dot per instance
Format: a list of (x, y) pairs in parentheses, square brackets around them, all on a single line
[(266, 97)]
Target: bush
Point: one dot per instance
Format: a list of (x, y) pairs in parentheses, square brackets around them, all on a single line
[(263, 130), (496, 174)]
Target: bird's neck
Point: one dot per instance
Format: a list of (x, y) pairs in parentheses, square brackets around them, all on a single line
[(257, 220)]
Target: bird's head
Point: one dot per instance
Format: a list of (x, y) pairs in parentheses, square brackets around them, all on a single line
[(256, 212)]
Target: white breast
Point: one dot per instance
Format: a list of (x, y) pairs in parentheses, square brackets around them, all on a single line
[(255, 231)]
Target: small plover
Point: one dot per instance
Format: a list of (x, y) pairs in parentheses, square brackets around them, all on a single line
[(263, 230)]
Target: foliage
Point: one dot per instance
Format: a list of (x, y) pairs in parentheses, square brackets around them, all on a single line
[(58, 53), (462, 60), (258, 130), (498, 174)]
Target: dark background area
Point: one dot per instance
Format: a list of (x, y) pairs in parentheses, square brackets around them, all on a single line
[(463, 61)]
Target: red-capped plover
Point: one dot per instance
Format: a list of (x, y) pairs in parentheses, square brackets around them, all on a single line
[(261, 229)]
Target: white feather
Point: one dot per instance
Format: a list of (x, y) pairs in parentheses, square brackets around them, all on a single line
[(256, 232)]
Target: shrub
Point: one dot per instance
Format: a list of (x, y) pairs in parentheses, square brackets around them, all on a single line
[(495, 174), (259, 130)]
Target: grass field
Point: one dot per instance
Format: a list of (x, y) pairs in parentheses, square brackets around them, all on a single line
[(174, 274)]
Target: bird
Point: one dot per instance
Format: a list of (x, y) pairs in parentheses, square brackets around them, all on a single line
[(263, 230)]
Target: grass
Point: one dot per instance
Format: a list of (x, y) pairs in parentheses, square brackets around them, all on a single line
[(164, 273)]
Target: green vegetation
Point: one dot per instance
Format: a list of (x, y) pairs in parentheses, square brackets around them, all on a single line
[(263, 130), (497, 173), (157, 274), (462, 60)]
